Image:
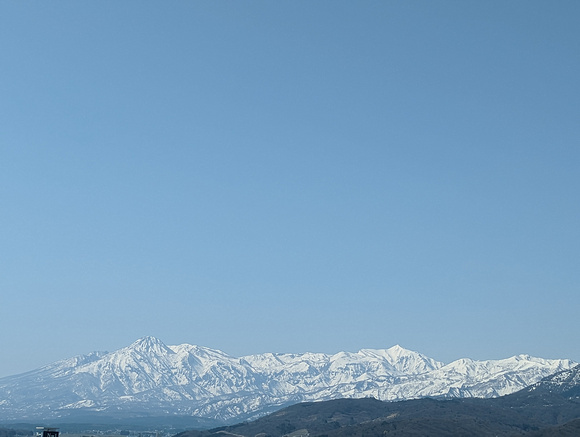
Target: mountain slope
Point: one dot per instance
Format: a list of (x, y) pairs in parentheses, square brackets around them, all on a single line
[(565, 383), (544, 409), (153, 379)]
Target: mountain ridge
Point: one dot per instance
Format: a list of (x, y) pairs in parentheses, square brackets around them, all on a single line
[(149, 377), (549, 407)]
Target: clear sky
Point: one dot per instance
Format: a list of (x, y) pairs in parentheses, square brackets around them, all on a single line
[(289, 176)]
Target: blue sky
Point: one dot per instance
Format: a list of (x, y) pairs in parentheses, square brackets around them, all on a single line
[(289, 177)]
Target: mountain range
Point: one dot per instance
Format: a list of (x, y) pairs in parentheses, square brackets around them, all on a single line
[(548, 408), (151, 379)]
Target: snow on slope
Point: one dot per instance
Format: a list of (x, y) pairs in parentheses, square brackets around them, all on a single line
[(565, 383), (150, 377)]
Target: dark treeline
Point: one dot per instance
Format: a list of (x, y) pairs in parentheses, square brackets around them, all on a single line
[(7, 432)]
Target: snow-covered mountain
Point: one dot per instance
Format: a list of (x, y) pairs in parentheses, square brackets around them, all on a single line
[(151, 378), (565, 383)]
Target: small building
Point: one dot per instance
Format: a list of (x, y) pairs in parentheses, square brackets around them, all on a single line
[(42, 431)]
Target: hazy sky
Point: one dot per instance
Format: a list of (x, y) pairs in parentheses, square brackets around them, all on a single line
[(289, 176)]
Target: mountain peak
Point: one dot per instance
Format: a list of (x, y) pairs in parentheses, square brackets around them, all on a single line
[(398, 349), (150, 344), (148, 340), (404, 360)]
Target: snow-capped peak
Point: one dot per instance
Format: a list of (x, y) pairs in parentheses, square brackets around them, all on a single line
[(404, 360), (149, 344), (152, 377)]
